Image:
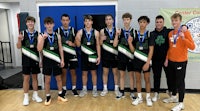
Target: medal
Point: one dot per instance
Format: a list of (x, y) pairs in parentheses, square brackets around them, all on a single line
[(31, 46), (175, 37), (111, 34), (111, 41), (51, 41), (141, 39), (88, 36), (66, 32), (126, 34), (174, 45), (51, 48)]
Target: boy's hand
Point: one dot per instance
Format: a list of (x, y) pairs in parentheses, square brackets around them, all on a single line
[(45, 35), (145, 67), (184, 28), (69, 43), (103, 38), (166, 63), (62, 64), (182, 35), (130, 39), (98, 61), (20, 37)]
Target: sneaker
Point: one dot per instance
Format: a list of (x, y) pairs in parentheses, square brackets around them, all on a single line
[(37, 98), (117, 92), (104, 92), (169, 93), (62, 98), (132, 96), (74, 92), (47, 101), (137, 101), (120, 95), (172, 99), (83, 93), (94, 93), (178, 107), (26, 101), (64, 92), (156, 97), (149, 102)]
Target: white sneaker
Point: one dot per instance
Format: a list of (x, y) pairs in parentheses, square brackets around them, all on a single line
[(132, 96), (83, 93), (137, 101), (36, 98), (26, 101), (156, 97), (178, 107), (94, 93), (117, 92), (149, 102), (169, 93), (104, 92), (172, 99)]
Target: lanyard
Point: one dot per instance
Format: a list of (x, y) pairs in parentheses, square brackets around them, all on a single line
[(176, 36), (110, 33), (31, 36), (88, 35), (51, 41), (126, 33), (66, 33), (143, 37)]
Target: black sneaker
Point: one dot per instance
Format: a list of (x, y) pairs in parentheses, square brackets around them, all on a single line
[(74, 92), (120, 95), (64, 92)]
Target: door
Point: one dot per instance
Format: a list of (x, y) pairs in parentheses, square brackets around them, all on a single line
[(76, 15)]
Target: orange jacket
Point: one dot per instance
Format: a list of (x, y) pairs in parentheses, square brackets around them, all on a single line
[(180, 52)]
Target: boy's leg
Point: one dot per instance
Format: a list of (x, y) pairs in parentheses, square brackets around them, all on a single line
[(148, 88), (116, 79), (61, 96), (74, 78), (35, 96), (94, 82), (139, 99), (64, 78), (105, 81), (157, 70), (47, 89), (26, 88), (122, 77), (131, 77), (84, 81)]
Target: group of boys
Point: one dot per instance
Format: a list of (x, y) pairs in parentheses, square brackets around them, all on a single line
[(119, 49)]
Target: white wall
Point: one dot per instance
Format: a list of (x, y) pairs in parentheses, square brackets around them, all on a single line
[(137, 8), (4, 26)]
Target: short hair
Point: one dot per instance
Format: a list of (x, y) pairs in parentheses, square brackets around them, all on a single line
[(109, 15), (160, 17), (127, 15), (146, 18), (30, 18), (64, 15), (89, 17), (176, 15), (48, 20)]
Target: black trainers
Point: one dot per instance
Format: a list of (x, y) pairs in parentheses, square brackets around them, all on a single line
[(74, 92), (64, 92)]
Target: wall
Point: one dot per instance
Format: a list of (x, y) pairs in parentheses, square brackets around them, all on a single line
[(137, 8), (4, 26)]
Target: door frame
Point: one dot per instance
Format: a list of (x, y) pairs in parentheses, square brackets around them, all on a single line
[(38, 4)]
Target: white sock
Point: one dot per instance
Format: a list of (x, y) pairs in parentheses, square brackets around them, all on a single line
[(139, 95), (84, 87), (64, 87), (105, 87), (35, 93), (25, 95), (116, 87), (73, 87), (173, 96), (59, 92), (48, 95), (181, 103), (94, 87), (147, 95)]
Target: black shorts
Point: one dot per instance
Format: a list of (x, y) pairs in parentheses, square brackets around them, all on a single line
[(71, 64), (27, 70), (125, 65), (138, 65), (52, 70), (109, 63)]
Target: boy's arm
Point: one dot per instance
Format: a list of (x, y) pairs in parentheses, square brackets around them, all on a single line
[(60, 51), (98, 47), (19, 42), (41, 39), (116, 39), (102, 36), (78, 38), (130, 43)]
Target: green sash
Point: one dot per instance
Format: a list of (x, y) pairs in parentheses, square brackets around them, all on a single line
[(109, 48), (29, 53), (51, 55), (125, 51)]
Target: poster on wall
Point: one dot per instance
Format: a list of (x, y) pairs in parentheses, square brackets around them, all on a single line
[(190, 17)]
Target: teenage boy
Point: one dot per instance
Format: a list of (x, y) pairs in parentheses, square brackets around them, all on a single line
[(49, 43), (125, 56), (27, 41), (68, 38), (180, 40), (160, 51), (109, 53), (88, 39), (144, 45)]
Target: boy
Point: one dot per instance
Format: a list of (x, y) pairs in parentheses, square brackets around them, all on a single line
[(109, 53), (144, 45), (125, 56), (68, 37), (49, 43), (27, 41), (88, 39), (180, 40)]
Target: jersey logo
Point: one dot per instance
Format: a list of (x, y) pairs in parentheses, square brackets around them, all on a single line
[(160, 40)]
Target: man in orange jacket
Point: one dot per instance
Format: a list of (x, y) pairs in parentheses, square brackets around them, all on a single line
[(180, 40)]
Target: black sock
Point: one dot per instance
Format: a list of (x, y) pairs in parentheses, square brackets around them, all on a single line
[(61, 95), (131, 91), (48, 98)]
